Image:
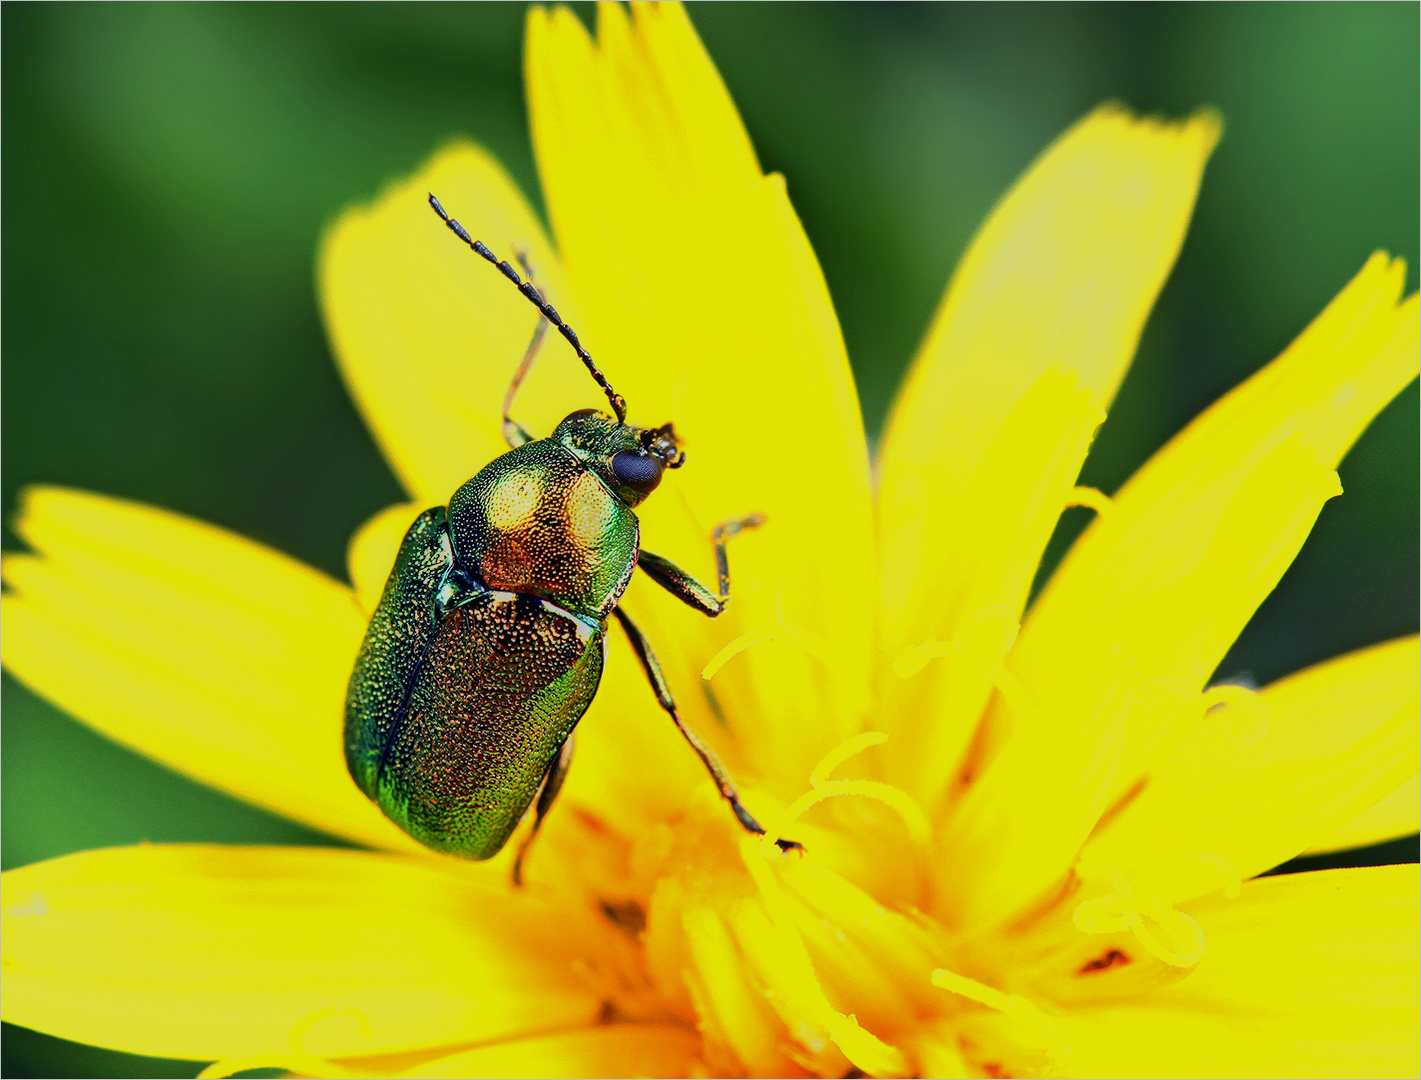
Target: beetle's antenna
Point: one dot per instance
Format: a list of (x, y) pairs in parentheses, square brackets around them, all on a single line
[(619, 405)]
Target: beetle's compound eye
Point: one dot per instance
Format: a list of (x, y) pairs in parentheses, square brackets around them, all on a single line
[(639, 472)]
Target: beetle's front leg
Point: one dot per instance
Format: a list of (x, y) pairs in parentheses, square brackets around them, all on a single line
[(652, 667), (683, 586), (547, 794)]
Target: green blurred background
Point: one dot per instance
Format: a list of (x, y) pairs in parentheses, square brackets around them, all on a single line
[(168, 169)]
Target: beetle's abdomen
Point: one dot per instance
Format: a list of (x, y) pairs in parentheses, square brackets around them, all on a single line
[(538, 521), (504, 681), (453, 714)]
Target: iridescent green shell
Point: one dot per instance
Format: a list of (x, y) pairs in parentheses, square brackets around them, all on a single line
[(461, 696), (489, 641)]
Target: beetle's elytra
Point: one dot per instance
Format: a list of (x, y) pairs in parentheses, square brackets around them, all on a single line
[(489, 640)]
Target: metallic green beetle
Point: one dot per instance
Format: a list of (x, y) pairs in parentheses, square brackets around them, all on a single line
[(490, 638)]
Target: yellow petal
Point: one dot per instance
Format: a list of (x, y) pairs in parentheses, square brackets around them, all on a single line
[(736, 1019), (218, 657), (208, 952), (617, 1050), (1138, 658), (1261, 776), (937, 1050), (932, 706), (1144, 607), (427, 334), (1303, 975), (1390, 818), (703, 303), (874, 963), (1060, 278), (1327, 385), (373, 547)]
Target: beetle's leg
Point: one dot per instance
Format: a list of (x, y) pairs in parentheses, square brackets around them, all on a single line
[(513, 432), (663, 696), (686, 588), (547, 794)]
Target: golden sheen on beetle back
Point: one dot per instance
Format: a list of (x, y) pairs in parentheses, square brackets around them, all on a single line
[(549, 527)]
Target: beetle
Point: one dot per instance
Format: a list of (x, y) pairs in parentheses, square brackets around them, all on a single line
[(489, 640)]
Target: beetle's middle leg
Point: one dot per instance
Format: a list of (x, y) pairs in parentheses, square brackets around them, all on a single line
[(686, 588), (722, 779), (514, 433), (547, 795)]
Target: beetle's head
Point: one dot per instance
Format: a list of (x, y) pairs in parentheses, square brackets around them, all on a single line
[(629, 459)]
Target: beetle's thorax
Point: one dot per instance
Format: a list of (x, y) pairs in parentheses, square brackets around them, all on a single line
[(538, 520)]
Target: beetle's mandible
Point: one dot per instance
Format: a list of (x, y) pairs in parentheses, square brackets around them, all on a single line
[(489, 640)]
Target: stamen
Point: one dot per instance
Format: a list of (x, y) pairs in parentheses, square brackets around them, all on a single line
[(1232, 883), (1245, 712), (299, 1064), (811, 643), (898, 800), (1024, 1011), (1092, 499), (1185, 945), (732, 649), (297, 1039), (988, 635), (1011, 1004), (854, 702), (984, 637), (232, 1066), (864, 1049), (1104, 915), (297, 1060), (787, 968), (912, 661), (1182, 945), (819, 775)]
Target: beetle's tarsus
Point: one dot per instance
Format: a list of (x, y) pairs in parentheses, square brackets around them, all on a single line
[(746, 819), (723, 783), (750, 825)]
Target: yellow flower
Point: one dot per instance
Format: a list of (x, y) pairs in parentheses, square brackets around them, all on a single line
[(1032, 839)]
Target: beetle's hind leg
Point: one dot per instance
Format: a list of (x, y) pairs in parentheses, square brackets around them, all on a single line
[(722, 780), (513, 432), (547, 795)]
